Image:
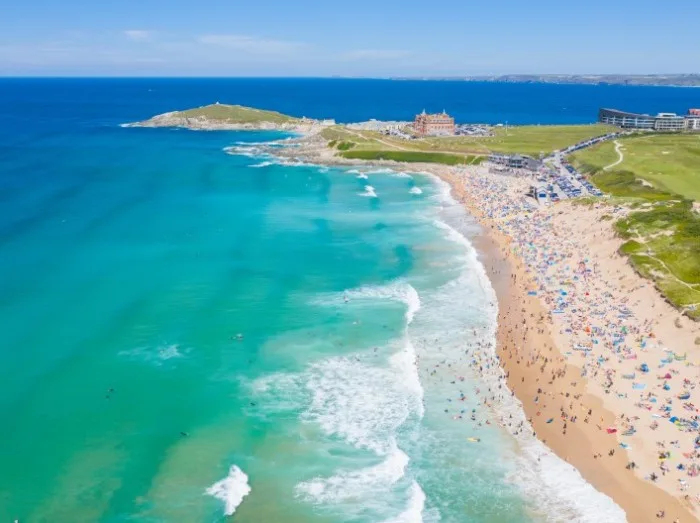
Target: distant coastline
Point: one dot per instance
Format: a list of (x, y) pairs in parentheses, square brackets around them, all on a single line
[(651, 80)]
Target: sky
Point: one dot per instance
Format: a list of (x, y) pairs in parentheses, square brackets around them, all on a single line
[(359, 38)]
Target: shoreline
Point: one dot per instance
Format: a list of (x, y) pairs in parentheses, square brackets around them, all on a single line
[(524, 332), (639, 499), (554, 389)]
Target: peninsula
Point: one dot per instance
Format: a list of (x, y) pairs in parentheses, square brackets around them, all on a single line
[(222, 117)]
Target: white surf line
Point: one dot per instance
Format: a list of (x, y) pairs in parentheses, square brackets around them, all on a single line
[(620, 158)]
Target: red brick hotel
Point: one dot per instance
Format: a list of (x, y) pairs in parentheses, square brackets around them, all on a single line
[(434, 124)]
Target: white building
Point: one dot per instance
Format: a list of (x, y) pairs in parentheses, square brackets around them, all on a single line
[(692, 122)]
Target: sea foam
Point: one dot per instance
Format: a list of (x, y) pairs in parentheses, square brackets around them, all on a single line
[(262, 164), (231, 490), (415, 190), (397, 291), (155, 356), (369, 192), (362, 404), (365, 406), (414, 510), (356, 484)]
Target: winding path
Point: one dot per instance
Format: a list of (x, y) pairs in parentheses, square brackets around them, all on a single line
[(620, 158)]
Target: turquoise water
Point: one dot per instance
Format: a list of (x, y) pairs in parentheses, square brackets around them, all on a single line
[(192, 334)]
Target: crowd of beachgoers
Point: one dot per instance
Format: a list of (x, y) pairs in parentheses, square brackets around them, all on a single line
[(612, 325)]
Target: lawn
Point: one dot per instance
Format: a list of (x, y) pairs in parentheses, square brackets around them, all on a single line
[(536, 139), (235, 114), (532, 140), (414, 156), (671, 162), (527, 139), (361, 139)]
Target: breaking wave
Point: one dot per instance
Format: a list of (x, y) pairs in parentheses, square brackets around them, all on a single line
[(231, 490)]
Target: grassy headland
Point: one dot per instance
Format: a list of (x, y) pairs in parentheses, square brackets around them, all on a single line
[(234, 114)]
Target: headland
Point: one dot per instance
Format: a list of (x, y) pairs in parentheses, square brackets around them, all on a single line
[(223, 117)]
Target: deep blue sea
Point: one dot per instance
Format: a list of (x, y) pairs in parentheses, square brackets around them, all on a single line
[(195, 333)]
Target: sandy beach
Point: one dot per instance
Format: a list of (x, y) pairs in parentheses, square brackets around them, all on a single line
[(606, 370), (572, 414)]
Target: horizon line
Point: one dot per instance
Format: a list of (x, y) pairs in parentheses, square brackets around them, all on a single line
[(338, 77)]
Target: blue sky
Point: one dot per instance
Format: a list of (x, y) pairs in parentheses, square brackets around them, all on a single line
[(352, 38)]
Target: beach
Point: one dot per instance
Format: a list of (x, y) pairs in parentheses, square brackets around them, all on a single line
[(605, 368), (549, 381)]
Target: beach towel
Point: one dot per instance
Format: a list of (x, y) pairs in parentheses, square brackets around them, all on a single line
[(639, 386)]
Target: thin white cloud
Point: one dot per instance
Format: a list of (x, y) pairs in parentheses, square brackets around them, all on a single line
[(138, 35), (375, 54), (253, 44)]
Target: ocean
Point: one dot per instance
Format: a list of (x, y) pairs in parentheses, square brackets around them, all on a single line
[(194, 333)]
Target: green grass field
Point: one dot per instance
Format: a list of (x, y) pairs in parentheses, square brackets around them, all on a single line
[(527, 139), (235, 114), (536, 139), (671, 162), (414, 157), (362, 139)]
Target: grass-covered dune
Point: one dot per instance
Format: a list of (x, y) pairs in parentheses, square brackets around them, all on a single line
[(662, 236), (658, 179), (663, 244)]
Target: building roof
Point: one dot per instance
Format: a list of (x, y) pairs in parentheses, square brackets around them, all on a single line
[(623, 114)]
